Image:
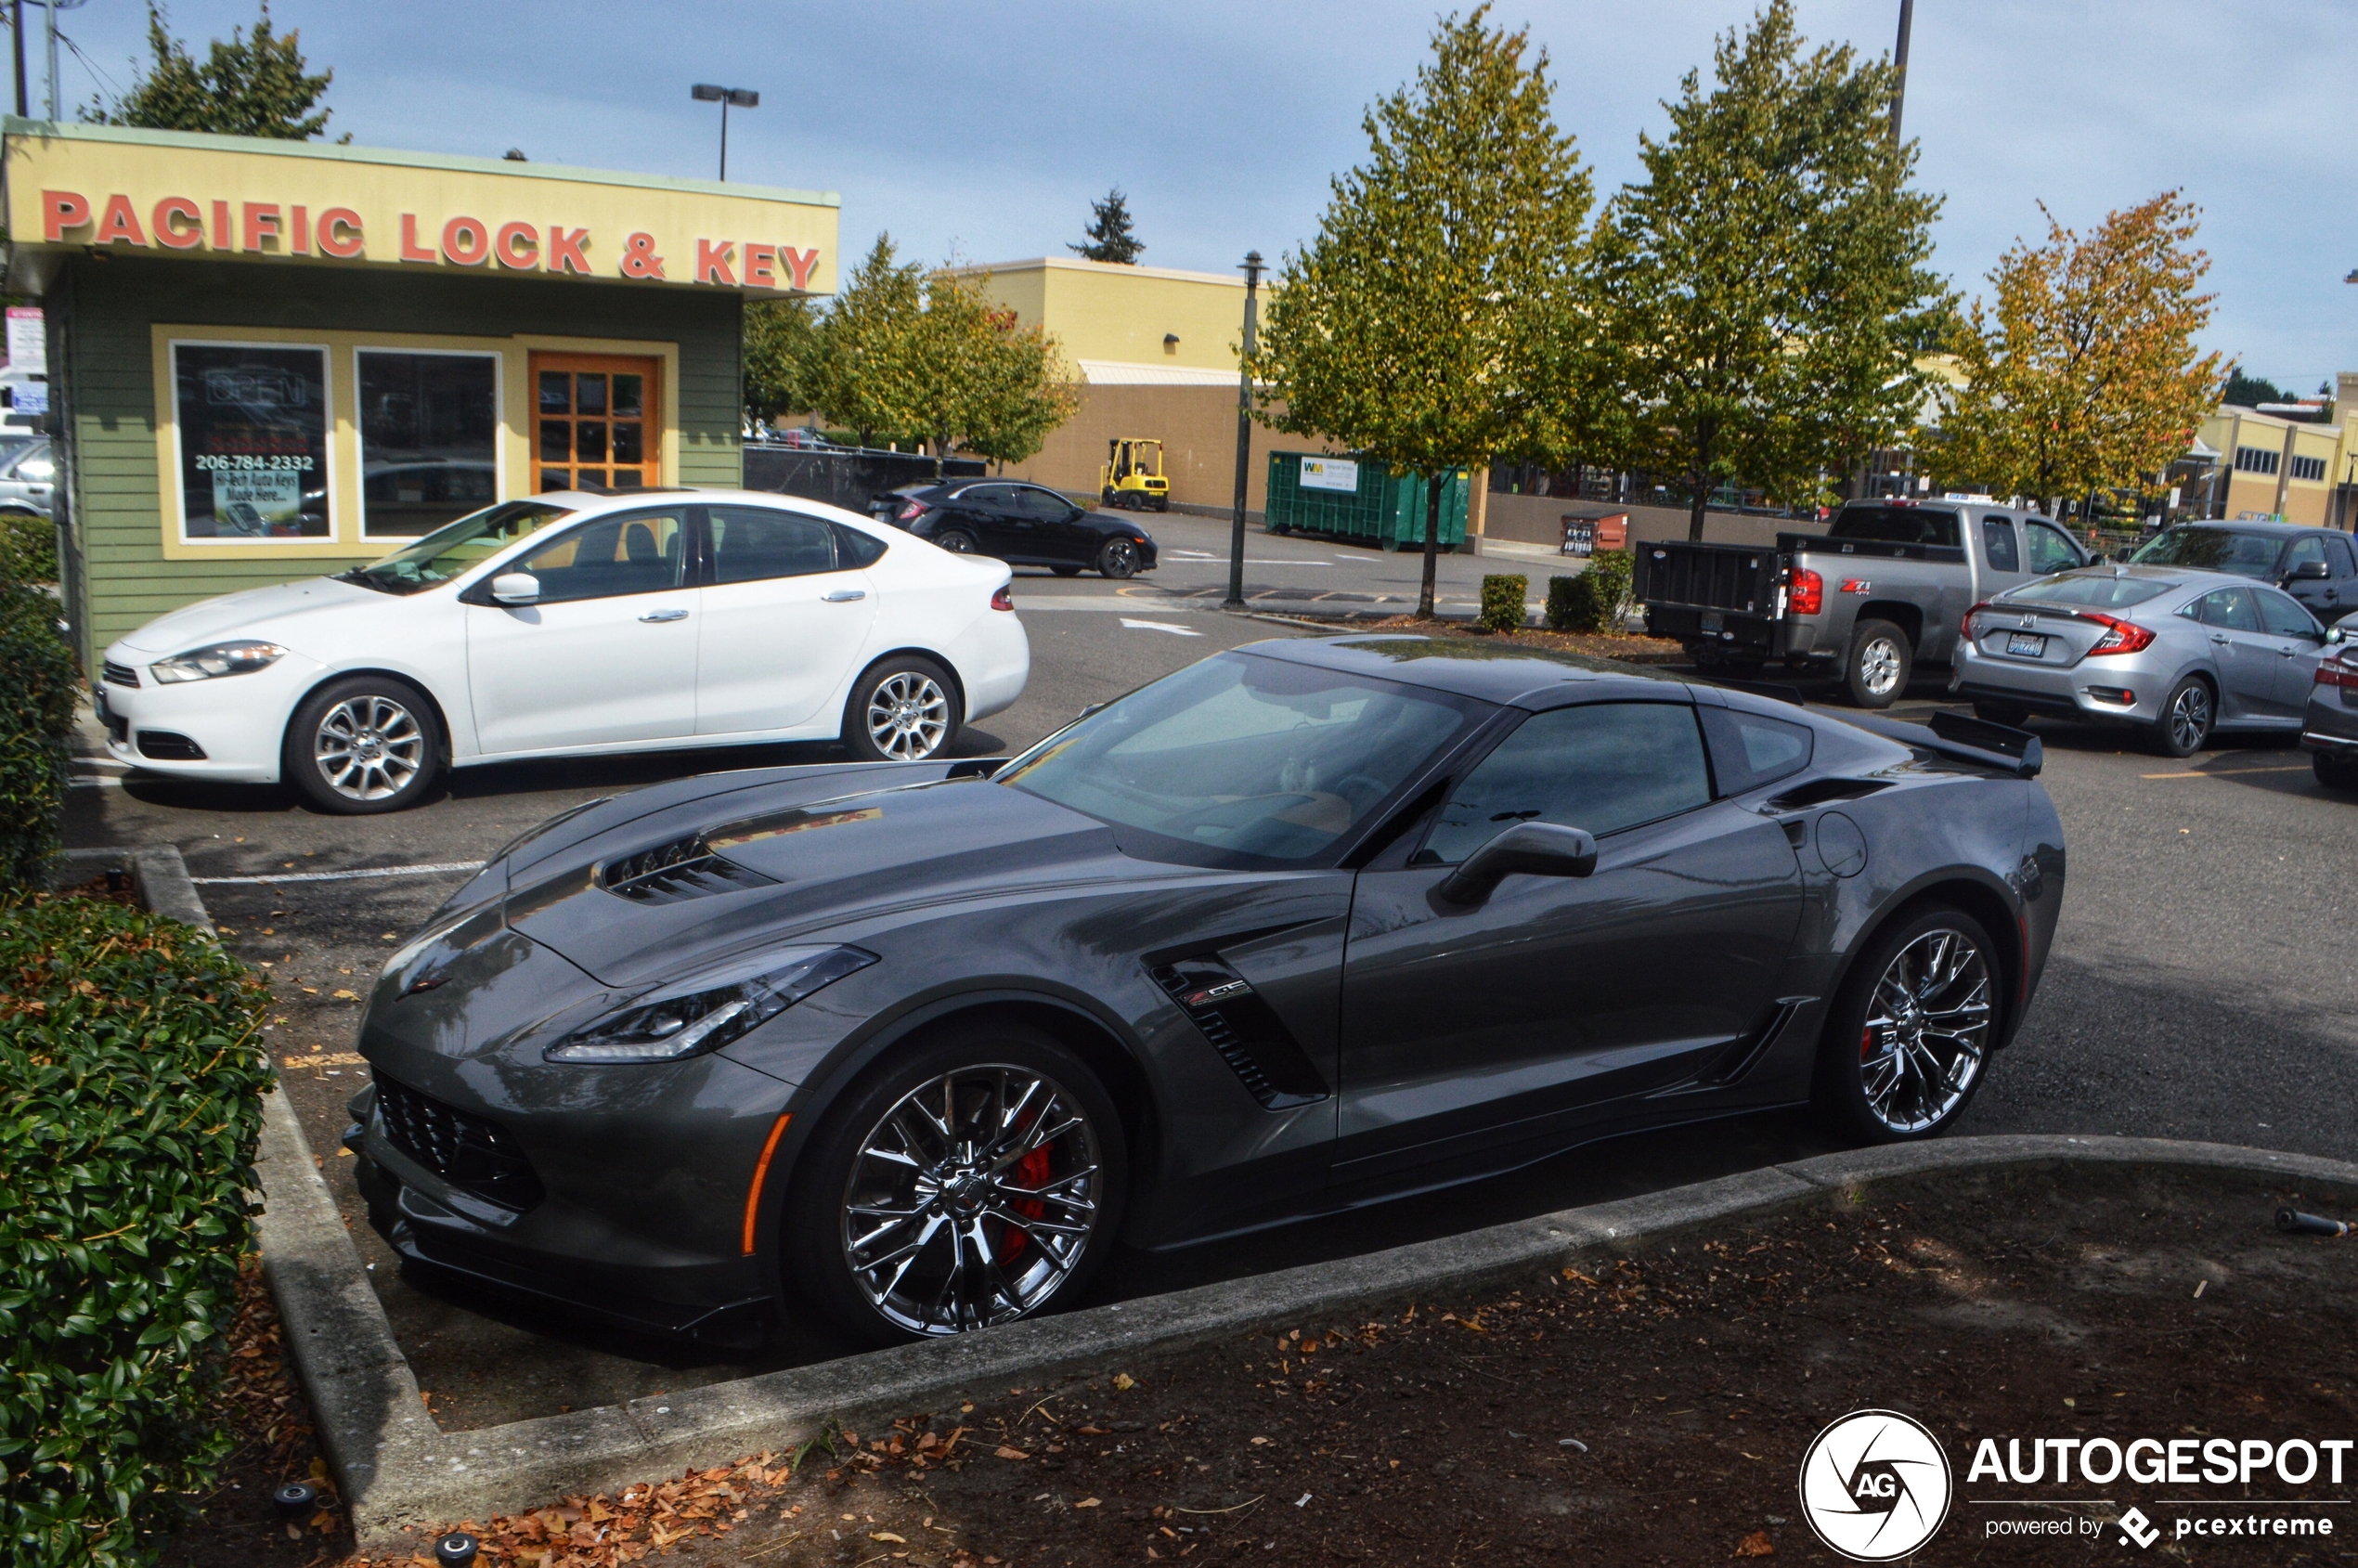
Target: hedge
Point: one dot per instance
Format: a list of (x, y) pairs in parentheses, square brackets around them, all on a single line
[(131, 1073), (1594, 600), (28, 548), (36, 714), (1502, 608)]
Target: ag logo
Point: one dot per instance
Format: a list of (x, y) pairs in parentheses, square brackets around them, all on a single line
[(1875, 1485)]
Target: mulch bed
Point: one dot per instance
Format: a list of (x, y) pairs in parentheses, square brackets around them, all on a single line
[(1628, 647), (1652, 1407)]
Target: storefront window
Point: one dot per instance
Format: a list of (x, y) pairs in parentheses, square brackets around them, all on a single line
[(253, 423), (428, 424)]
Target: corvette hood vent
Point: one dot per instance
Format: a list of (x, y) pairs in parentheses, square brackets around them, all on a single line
[(685, 868), (1244, 1030)]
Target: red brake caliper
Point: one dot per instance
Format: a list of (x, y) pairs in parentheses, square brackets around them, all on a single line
[(1866, 1043), (1030, 1171)]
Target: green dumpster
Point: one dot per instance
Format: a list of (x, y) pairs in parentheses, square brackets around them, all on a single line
[(1359, 498)]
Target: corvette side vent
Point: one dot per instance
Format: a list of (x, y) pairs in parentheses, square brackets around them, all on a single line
[(1242, 1027), (685, 868)]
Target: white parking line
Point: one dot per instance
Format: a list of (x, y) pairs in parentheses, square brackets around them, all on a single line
[(1161, 625), (450, 868)]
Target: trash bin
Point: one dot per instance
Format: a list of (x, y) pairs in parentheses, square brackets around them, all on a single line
[(1359, 498)]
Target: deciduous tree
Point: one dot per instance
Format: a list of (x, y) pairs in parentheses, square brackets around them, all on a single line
[(2082, 374), (1436, 321), (1763, 289), (256, 84), (862, 374), (782, 349)]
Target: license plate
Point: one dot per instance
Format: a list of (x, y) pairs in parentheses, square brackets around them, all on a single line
[(2025, 644), (1713, 620)]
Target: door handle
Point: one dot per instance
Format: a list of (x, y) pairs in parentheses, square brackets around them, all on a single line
[(843, 595), (2222, 641), (665, 616)]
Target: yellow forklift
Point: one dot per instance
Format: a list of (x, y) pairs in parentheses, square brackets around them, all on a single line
[(1132, 477)]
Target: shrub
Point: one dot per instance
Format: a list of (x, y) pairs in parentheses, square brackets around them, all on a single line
[(36, 714), (1593, 600), (131, 1084), (1502, 608), (27, 549)]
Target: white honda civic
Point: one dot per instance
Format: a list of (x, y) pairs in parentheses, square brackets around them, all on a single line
[(567, 624)]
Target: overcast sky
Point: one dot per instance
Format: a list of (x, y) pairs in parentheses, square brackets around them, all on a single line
[(986, 128)]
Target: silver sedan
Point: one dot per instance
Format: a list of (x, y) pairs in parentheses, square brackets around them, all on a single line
[(2181, 654)]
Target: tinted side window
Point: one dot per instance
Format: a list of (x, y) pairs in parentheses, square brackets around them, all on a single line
[(856, 549), (1751, 749), (983, 495), (2337, 552), (2283, 615), (2229, 609), (1894, 524), (1601, 768), (750, 543), (2049, 551), (1043, 504), (638, 552), (2303, 551), (1998, 544)]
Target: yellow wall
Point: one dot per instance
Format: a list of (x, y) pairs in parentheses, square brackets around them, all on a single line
[(2304, 501), (1101, 311)]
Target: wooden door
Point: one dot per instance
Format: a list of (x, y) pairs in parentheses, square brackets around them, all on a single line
[(595, 422)]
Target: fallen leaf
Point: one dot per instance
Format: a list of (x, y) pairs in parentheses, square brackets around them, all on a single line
[(887, 1535), (1006, 1453), (1087, 1502), (1757, 1544), (343, 995), (1261, 1442), (1124, 1381)]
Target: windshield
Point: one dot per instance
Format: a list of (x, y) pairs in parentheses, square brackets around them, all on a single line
[(2214, 549), (2098, 591), (454, 551), (1242, 760), (1894, 524)]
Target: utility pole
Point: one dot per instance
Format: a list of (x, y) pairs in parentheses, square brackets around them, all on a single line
[(1900, 69), (1236, 600)]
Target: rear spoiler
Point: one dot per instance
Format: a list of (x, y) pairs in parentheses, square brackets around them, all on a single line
[(1961, 739)]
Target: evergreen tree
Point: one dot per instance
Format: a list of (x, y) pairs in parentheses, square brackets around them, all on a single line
[(1109, 235), (2248, 392), (253, 86)]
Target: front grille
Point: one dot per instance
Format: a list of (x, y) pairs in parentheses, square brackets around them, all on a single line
[(119, 674), (169, 746), (464, 1150), (686, 868)]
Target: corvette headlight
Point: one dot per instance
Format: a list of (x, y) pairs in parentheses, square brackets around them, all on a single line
[(221, 658), (684, 1022)]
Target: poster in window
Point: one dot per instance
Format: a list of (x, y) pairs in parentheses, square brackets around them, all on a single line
[(428, 427), (253, 441)]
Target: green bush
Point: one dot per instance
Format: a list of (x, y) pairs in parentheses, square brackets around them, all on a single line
[(1502, 608), (1593, 600), (36, 714), (131, 1083), (27, 549)]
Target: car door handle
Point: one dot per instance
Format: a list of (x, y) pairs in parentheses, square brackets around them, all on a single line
[(2222, 642), (843, 595), (665, 616)]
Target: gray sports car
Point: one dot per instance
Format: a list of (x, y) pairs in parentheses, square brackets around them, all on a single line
[(1299, 926)]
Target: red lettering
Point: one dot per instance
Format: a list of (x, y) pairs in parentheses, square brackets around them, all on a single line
[(262, 222), (712, 262), (565, 250), (411, 249), (465, 242), (800, 263), (119, 223), (301, 243), (221, 227), (177, 223), (62, 209), (761, 270), (340, 233), (518, 246)]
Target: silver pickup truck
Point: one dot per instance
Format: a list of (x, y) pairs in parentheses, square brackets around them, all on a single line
[(1885, 588)]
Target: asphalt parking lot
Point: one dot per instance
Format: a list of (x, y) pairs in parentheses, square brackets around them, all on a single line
[(2199, 987)]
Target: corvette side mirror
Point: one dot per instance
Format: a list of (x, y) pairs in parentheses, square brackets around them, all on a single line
[(514, 588), (1525, 849)]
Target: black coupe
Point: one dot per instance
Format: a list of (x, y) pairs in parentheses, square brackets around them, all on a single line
[(1022, 525), (1303, 924)]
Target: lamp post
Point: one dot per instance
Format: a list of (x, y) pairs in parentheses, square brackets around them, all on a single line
[(1236, 600), (743, 98)]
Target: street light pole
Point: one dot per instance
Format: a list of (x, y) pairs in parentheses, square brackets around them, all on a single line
[(1236, 600), (706, 92), (15, 33), (1900, 70)]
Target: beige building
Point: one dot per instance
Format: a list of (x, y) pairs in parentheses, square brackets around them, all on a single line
[(2271, 465)]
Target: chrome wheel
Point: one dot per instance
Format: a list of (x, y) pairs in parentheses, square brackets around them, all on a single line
[(1927, 1032), (369, 747), (2189, 718), (972, 1200), (908, 715), (1879, 667)]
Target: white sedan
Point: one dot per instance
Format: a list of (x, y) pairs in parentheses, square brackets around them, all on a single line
[(567, 624)]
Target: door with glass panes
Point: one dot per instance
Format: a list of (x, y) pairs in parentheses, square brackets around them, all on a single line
[(594, 423)]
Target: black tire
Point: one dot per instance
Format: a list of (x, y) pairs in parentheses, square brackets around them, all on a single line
[(1119, 558), (957, 541), (1881, 660), (1868, 1045), (816, 1240), (2335, 772), (2188, 717), (2012, 715), (1104, 496), (1162, 503), (901, 709), (1065, 571), (362, 745)]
